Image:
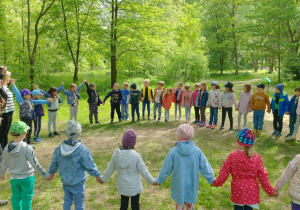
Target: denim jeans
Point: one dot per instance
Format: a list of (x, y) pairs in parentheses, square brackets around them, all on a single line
[(135, 107), (124, 111), (213, 118), (167, 114), (155, 107), (293, 119), (76, 194), (187, 112), (144, 108), (177, 107), (258, 119), (297, 125)]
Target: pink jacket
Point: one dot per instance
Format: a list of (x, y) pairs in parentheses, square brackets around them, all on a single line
[(298, 107), (244, 102), (244, 171), (195, 93), (187, 98)]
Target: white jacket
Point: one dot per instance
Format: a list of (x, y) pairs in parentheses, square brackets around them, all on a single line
[(129, 164)]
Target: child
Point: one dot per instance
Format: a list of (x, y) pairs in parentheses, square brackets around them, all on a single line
[(19, 158), (146, 98), (129, 165), (291, 174), (115, 100), (187, 101), (185, 160), (197, 109), (245, 167), (52, 109), (228, 99), (135, 98), (177, 99), (243, 105), (167, 103), (94, 101), (124, 102), (157, 99), (26, 108), (201, 101), (258, 103), (279, 106), (72, 98), (293, 114), (214, 103), (73, 159)]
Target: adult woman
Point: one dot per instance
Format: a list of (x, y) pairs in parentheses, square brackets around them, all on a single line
[(7, 112)]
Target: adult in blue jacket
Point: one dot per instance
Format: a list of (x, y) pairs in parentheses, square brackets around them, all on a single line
[(186, 161), (279, 106)]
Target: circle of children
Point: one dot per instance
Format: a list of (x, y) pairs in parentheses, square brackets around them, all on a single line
[(185, 160)]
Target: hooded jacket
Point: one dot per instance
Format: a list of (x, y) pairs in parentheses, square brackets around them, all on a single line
[(245, 172), (129, 165), (185, 160), (167, 100), (283, 101), (244, 102), (70, 94), (93, 96), (73, 158), (187, 98), (20, 160), (293, 104), (202, 101)]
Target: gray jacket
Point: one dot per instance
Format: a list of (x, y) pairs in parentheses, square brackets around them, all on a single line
[(20, 160)]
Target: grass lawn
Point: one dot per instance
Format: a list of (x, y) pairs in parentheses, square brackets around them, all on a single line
[(155, 139)]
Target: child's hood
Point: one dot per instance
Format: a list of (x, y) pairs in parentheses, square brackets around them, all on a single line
[(16, 149), (185, 148), (68, 147), (123, 158), (245, 162)]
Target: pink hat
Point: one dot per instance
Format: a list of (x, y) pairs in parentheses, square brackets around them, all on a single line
[(129, 138), (185, 132)]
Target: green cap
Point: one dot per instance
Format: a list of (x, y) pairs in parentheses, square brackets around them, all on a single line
[(19, 127)]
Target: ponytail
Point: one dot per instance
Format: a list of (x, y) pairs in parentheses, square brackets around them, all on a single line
[(249, 151)]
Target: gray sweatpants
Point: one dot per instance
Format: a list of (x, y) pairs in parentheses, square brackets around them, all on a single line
[(297, 125), (93, 112), (240, 119), (52, 116), (73, 112), (177, 107)]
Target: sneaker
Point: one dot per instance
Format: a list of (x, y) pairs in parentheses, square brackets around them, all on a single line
[(112, 122), (3, 202), (91, 122), (158, 119), (127, 118), (237, 128), (288, 135), (213, 126), (40, 139), (222, 127), (196, 122), (231, 129), (120, 119), (274, 132), (208, 126), (278, 134), (56, 133), (143, 117), (154, 117), (132, 120), (51, 134), (202, 124), (258, 132), (139, 120), (166, 120), (291, 138), (97, 122), (35, 141), (149, 118)]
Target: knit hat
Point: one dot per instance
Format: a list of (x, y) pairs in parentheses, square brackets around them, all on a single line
[(19, 128), (280, 87), (228, 84), (129, 138), (133, 86), (25, 92), (261, 85), (185, 132), (214, 83), (245, 137), (36, 92), (73, 130)]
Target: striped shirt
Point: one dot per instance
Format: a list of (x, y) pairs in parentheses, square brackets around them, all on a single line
[(10, 106)]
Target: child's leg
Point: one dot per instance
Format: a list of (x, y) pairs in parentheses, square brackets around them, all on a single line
[(138, 111), (215, 116), (176, 105), (197, 114), (240, 119), (211, 115), (112, 111), (155, 106), (186, 112), (275, 121), (127, 111), (96, 113), (16, 193), (50, 120), (230, 116), (91, 109), (179, 207), (28, 122), (295, 132), (123, 111), (255, 119), (202, 112), (54, 121), (78, 194), (68, 198), (148, 108), (71, 112), (189, 206), (75, 112), (245, 120), (261, 116), (118, 111), (132, 111), (135, 202), (27, 191), (144, 108), (124, 202), (223, 115), (293, 119), (37, 126), (159, 110), (280, 124)]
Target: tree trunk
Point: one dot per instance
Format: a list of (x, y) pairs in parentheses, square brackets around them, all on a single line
[(255, 65), (75, 77), (113, 47), (271, 65), (221, 63)]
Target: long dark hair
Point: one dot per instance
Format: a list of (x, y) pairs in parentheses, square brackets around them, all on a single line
[(52, 90)]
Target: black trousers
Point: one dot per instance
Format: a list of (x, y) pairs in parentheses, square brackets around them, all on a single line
[(113, 108), (197, 113), (135, 107), (236, 207), (277, 122), (4, 128), (229, 110), (135, 202), (28, 136)]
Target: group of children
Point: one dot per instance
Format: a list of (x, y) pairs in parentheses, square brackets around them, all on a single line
[(184, 161)]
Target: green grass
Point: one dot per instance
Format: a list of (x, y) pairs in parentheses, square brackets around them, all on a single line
[(154, 141)]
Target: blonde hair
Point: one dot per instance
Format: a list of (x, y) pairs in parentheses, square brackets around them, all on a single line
[(147, 81), (125, 83), (197, 85), (6, 77), (203, 84), (249, 151), (187, 87), (72, 85), (180, 84), (117, 84)]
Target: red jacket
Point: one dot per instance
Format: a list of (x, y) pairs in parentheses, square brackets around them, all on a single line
[(195, 93), (245, 172), (180, 97)]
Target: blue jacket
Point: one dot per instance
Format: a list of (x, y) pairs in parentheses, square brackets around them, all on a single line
[(125, 96), (69, 94), (204, 99), (47, 95), (283, 103), (293, 105), (72, 162), (185, 160)]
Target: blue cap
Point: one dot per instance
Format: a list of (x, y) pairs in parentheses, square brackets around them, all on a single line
[(36, 92)]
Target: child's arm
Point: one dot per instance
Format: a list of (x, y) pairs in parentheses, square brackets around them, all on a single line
[(286, 104), (48, 100), (54, 164), (109, 171), (208, 101), (88, 89), (263, 177), (130, 97), (220, 100), (224, 172), (234, 100), (88, 163), (30, 156), (60, 87), (251, 103), (3, 167), (166, 169), (144, 171), (17, 93), (80, 86), (205, 169), (107, 96), (288, 173), (268, 103)]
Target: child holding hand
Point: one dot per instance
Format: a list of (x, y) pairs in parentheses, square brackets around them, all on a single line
[(244, 105), (214, 103), (167, 103), (187, 102)]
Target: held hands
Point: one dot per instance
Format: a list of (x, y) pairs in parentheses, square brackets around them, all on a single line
[(275, 194), (287, 113), (12, 81), (3, 178), (269, 111), (250, 110), (213, 185), (62, 83), (142, 99), (50, 100), (98, 179), (36, 87), (103, 103), (84, 81), (52, 176), (156, 184)]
